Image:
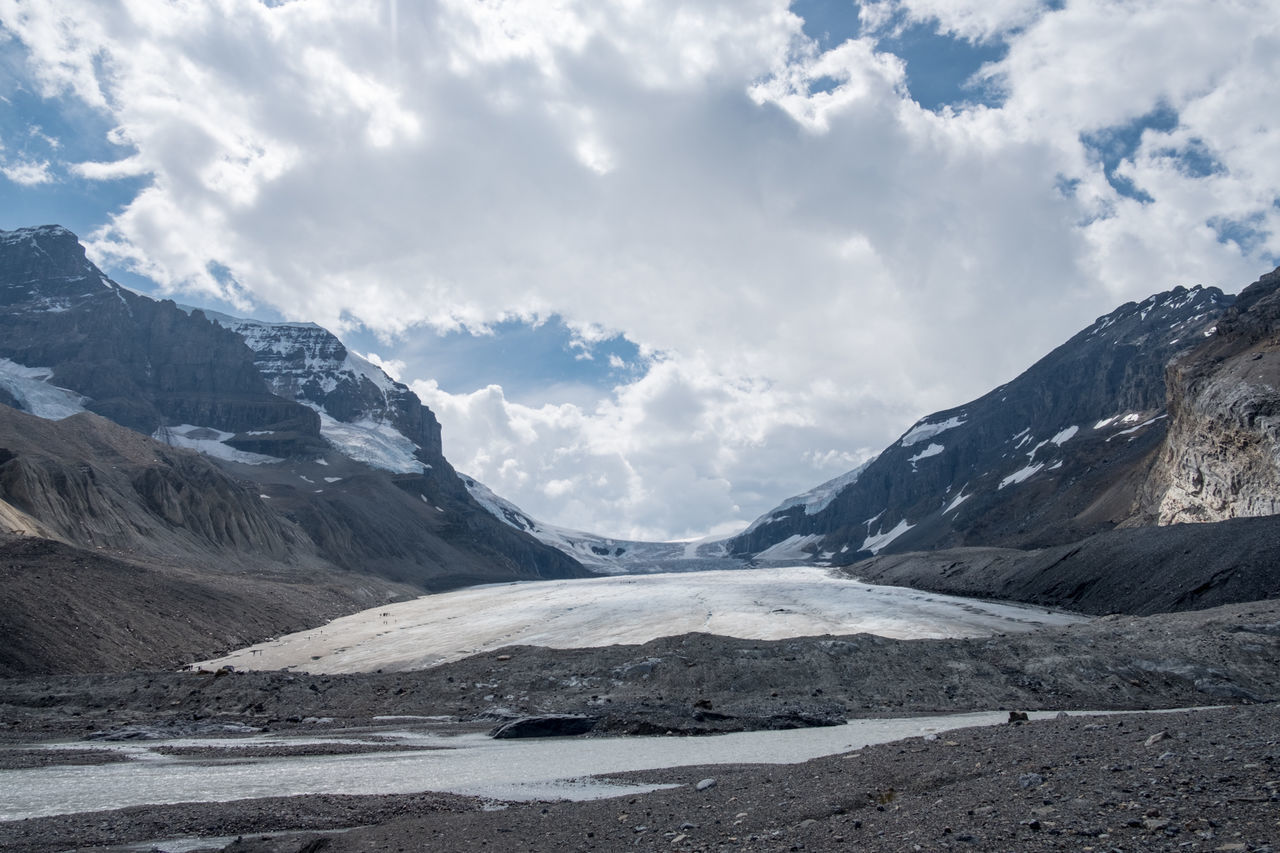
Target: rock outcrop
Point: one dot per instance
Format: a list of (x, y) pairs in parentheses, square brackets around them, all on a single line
[(1221, 457)]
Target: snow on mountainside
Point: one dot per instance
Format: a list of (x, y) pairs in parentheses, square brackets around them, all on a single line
[(31, 389), (364, 413), (1052, 456), (605, 555), (815, 500)]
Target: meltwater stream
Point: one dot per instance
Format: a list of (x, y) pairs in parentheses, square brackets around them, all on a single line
[(467, 764)]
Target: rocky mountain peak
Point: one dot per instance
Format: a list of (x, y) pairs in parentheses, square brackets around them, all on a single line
[(307, 363), (45, 268)]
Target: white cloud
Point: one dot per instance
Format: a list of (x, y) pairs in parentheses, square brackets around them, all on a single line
[(28, 173), (128, 167), (817, 260), (975, 20), (393, 367)]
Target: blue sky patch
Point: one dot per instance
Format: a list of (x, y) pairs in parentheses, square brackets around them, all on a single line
[(534, 364), (828, 22), (1113, 145), (1195, 160), (939, 66), (34, 129), (1248, 233)]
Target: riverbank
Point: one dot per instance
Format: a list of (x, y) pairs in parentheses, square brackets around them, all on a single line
[(1195, 781)]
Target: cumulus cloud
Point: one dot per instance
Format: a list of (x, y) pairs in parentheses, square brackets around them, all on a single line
[(808, 258), (28, 173)]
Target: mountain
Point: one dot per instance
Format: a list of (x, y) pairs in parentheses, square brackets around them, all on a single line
[(603, 554), (155, 435), (1062, 452)]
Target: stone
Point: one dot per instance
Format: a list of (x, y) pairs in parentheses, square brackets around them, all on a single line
[(705, 784), (547, 725)]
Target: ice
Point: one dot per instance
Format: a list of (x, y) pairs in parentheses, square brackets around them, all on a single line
[(371, 442), (1021, 475), (791, 548), (931, 450), (1065, 435), (209, 441), (921, 432), (604, 554), (1134, 429), (31, 388), (772, 603), (879, 541), (956, 501)]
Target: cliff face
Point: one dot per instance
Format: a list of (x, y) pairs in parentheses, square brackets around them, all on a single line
[(1221, 457)]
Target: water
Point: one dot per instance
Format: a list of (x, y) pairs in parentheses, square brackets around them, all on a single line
[(468, 764)]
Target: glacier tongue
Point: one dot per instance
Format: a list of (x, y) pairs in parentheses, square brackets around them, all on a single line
[(30, 386)]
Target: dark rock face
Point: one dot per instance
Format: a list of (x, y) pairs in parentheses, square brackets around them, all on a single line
[(141, 363), (1142, 570), (1057, 454), (547, 725)]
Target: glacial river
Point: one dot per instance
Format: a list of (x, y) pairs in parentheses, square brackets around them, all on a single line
[(473, 764)]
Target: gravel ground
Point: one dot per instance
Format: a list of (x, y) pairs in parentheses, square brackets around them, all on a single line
[(1075, 783)]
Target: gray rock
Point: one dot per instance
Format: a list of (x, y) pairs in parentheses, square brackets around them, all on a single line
[(705, 784)]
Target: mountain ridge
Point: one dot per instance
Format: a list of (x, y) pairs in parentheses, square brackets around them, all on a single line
[(1052, 456)]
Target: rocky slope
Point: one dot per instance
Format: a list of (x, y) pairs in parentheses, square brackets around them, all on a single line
[(1143, 570), (1062, 452), (363, 411), (73, 610)]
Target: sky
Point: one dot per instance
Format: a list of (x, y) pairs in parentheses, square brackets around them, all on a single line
[(656, 265)]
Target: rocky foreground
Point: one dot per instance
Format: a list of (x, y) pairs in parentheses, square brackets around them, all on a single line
[(1185, 781)]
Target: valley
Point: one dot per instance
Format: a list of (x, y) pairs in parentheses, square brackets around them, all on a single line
[(179, 486)]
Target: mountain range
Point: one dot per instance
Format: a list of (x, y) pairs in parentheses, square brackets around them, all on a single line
[(266, 476)]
